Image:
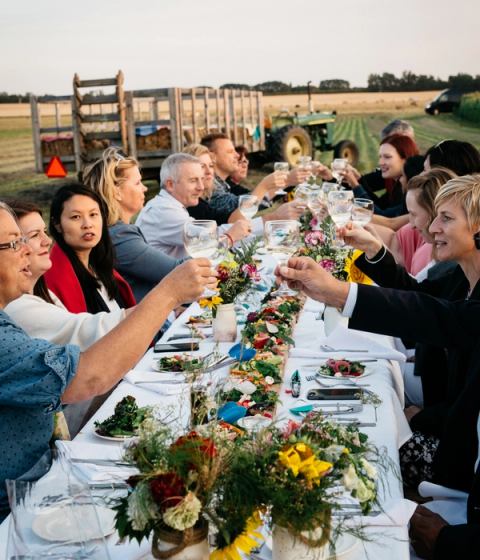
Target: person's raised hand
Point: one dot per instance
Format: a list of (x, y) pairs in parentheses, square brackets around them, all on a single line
[(288, 211), (323, 171), (273, 182), (296, 176), (187, 281), (240, 229), (351, 176), (425, 526), (360, 238), (303, 273)]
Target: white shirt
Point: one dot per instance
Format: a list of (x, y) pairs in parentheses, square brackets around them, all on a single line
[(162, 221)]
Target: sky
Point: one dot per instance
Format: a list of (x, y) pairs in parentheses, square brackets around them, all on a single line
[(186, 43)]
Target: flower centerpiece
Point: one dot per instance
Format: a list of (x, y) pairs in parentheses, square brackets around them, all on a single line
[(173, 495), (342, 368), (296, 475), (236, 273)]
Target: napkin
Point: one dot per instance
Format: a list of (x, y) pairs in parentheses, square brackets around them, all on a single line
[(163, 388), (396, 513), (90, 471), (136, 376), (343, 338)]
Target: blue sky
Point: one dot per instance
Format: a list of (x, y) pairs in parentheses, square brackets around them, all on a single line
[(162, 43)]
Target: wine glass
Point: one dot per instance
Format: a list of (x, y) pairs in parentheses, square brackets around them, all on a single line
[(302, 194), (328, 187), (362, 211), (339, 166), (340, 205), (248, 205), (282, 238), (283, 168), (201, 240), (316, 204)]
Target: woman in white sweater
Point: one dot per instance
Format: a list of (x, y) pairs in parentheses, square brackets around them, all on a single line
[(40, 313)]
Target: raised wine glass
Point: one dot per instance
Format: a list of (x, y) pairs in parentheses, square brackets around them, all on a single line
[(340, 205), (282, 168), (248, 205), (339, 166), (362, 211), (201, 240), (282, 239)]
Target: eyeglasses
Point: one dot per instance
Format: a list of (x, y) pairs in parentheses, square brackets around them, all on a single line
[(16, 244)]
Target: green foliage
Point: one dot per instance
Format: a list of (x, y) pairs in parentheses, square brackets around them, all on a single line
[(125, 420), (470, 107)]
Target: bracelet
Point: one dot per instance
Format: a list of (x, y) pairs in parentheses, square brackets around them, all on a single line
[(383, 252), (230, 238)]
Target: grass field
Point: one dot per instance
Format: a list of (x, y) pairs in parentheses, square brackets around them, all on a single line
[(360, 118)]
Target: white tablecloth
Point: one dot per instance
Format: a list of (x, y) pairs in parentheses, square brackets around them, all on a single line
[(390, 432)]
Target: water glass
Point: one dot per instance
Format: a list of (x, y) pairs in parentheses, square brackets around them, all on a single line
[(282, 239), (362, 211)]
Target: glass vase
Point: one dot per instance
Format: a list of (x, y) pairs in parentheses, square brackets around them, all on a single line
[(225, 323)]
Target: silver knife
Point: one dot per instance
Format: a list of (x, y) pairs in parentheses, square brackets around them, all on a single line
[(106, 462)]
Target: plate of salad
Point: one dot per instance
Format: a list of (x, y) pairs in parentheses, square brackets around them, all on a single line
[(124, 422), (341, 368), (179, 363)]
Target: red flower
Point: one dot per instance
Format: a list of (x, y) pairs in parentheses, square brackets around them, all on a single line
[(260, 340), (167, 490), (194, 442)]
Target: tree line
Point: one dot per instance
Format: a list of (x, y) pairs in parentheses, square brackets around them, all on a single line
[(407, 81)]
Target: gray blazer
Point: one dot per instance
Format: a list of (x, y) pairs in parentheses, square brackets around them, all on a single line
[(142, 265)]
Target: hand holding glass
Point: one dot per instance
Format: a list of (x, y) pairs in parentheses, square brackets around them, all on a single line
[(339, 166), (281, 167), (248, 205), (340, 205), (282, 239), (362, 211)]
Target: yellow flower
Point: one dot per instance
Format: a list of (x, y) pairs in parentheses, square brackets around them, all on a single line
[(210, 302), (300, 459), (354, 274), (245, 542)]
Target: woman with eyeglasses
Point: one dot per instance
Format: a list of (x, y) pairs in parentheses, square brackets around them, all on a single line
[(83, 275), (38, 377), (116, 179)]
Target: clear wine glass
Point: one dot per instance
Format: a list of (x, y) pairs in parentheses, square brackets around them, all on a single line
[(339, 166), (362, 211), (282, 168), (340, 205), (317, 204), (201, 240), (282, 239), (248, 205)]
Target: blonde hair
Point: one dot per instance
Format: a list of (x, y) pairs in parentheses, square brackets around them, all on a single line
[(196, 150), (464, 191), (105, 175)]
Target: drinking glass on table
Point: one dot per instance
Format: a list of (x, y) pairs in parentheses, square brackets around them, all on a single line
[(282, 168), (248, 205), (339, 204), (339, 166), (362, 211), (282, 239)]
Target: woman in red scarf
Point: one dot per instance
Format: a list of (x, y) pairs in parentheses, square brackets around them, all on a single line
[(82, 275)]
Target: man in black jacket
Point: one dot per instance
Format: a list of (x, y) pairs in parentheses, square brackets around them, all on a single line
[(429, 320)]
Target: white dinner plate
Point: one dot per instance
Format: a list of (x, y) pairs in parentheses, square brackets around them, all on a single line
[(118, 439), (62, 523)]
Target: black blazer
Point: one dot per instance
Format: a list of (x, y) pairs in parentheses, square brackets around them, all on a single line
[(455, 326), (442, 372)]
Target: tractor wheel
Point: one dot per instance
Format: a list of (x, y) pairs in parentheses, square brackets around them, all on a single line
[(289, 143), (348, 150)]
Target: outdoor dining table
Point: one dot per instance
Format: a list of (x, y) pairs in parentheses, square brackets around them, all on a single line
[(386, 426)]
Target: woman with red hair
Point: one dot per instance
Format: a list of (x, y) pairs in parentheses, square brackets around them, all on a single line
[(393, 153)]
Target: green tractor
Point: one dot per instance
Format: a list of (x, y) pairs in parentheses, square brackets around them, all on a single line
[(290, 136)]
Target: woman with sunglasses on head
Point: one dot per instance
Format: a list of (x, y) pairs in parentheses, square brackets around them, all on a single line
[(82, 275), (116, 179)]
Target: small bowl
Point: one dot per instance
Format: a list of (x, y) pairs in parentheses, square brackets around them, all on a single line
[(253, 424)]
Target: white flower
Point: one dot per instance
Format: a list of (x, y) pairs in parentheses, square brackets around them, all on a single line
[(363, 492), (141, 507), (185, 514), (350, 478), (370, 470), (269, 380), (246, 387)]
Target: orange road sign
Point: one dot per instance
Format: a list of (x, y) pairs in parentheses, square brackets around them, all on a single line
[(55, 168)]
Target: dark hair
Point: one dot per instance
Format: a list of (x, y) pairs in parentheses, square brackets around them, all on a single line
[(460, 157), (210, 139), (413, 166), (404, 145), (101, 257), (242, 151), (22, 208)]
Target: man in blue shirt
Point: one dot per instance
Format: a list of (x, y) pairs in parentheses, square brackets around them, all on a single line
[(36, 377)]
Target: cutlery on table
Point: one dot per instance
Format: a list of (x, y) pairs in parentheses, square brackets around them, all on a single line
[(328, 348), (335, 381)]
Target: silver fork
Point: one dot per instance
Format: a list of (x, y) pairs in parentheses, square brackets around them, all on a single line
[(328, 348), (334, 382)]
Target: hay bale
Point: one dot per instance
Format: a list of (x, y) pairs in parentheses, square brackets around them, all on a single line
[(57, 146), (158, 140)]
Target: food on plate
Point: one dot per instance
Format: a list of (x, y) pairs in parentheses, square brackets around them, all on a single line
[(125, 420), (180, 362), (341, 368)]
